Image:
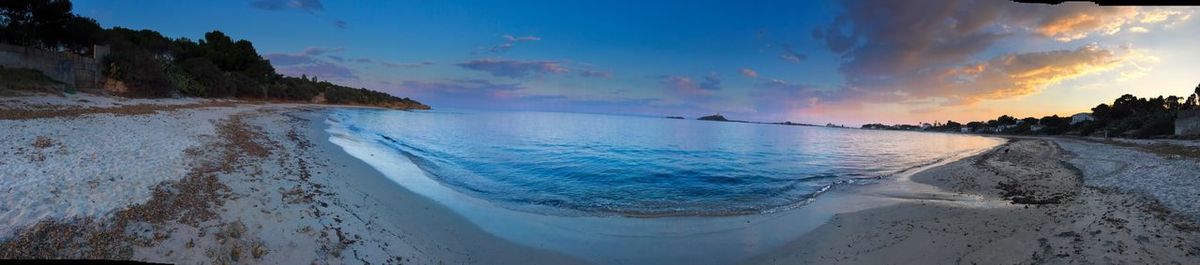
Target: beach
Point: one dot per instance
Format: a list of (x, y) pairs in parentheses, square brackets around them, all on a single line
[(197, 182), (1068, 205), (236, 183)]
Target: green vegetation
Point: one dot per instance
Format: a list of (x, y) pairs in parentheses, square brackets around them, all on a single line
[(152, 65), (26, 80), (1128, 116)]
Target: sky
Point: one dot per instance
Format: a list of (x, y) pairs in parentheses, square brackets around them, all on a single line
[(843, 62)]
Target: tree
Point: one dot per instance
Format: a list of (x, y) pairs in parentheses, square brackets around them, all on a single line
[(1030, 120), (1006, 120), (953, 125), (46, 24)]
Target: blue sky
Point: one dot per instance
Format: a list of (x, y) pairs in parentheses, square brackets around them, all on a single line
[(846, 62)]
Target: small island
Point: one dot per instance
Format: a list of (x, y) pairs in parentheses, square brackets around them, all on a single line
[(675, 117), (714, 117)]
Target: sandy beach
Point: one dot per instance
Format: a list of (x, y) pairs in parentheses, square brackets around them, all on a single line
[(200, 182), (1063, 206)]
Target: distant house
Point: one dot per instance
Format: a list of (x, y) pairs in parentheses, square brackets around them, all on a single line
[(926, 126), (1081, 117), (964, 129), (1036, 127)]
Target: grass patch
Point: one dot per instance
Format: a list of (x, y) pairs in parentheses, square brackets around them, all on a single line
[(12, 79)]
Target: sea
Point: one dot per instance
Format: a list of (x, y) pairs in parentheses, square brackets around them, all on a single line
[(574, 164)]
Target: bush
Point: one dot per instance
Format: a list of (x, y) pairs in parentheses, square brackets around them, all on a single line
[(183, 82), (214, 82), (1159, 124), (141, 72)]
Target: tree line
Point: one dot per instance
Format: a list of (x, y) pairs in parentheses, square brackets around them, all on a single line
[(152, 65), (1125, 116)]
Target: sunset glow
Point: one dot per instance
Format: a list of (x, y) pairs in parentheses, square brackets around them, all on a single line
[(808, 61)]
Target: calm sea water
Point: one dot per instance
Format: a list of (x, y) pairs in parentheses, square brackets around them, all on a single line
[(588, 164)]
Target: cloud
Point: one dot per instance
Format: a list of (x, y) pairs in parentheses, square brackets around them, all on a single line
[(510, 38), (786, 52), (320, 69), (1139, 30), (686, 87), (1024, 73), (594, 73), (500, 48), (280, 5), (778, 96), (790, 55), (747, 72), (711, 82), (918, 54), (509, 42), (514, 69), (463, 86), (464, 92), (376, 61), (306, 56), (341, 24), (307, 62), (284, 59), (406, 65), (314, 51)]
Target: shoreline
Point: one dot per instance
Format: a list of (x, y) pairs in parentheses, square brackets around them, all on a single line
[(623, 239), (1054, 217), (290, 195), (263, 186)]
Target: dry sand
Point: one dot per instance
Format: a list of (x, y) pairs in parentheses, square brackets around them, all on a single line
[(1054, 218), (195, 182), (243, 184)]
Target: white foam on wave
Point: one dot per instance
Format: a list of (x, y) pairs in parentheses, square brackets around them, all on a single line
[(607, 239)]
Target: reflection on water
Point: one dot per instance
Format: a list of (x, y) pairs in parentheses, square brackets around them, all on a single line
[(597, 165)]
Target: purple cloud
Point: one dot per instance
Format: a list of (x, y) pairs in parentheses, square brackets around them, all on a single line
[(321, 69), (930, 52), (686, 87), (747, 72), (284, 59), (514, 69), (711, 82), (594, 73), (406, 65), (314, 51)]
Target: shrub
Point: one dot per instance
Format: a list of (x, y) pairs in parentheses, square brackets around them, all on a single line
[(142, 72), (1158, 124)]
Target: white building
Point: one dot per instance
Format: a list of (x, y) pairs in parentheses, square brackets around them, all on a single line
[(1081, 117)]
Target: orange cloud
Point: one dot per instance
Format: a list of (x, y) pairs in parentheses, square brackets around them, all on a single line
[(1077, 23)]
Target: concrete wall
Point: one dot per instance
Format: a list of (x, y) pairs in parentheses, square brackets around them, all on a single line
[(1188, 123), (76, 71)]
